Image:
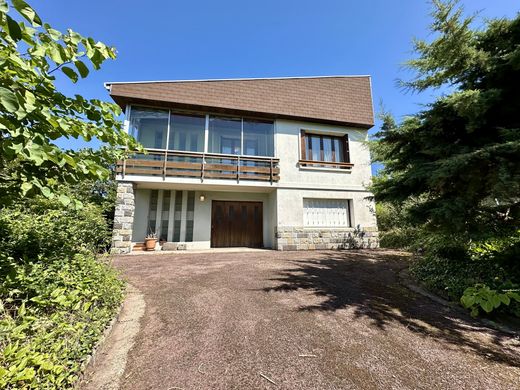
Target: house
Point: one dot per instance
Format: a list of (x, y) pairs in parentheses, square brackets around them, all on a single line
[(270, 162)]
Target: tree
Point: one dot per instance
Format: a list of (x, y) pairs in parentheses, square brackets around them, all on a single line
[(461, 154), (33, 113)]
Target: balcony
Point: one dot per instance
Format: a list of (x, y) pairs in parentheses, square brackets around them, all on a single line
[(165, 164)]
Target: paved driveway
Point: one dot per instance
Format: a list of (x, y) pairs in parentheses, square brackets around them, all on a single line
[(303, 320)]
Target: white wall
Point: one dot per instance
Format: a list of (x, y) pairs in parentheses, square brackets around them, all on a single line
[(287, 141), (142, 202), (202, 214), (298, 182), (202, 225), (290, 206)]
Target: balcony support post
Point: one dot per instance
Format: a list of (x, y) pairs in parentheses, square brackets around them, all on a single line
[(238, 169)]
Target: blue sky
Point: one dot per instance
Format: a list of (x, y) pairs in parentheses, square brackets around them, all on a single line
[(194, 39)]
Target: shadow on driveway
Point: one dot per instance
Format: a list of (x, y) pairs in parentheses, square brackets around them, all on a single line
[(368, 285)]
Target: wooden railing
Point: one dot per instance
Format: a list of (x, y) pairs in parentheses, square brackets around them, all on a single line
[(162, 163), (326, 164)]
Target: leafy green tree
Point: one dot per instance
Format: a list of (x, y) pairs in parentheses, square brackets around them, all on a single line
[(461, 154), (33, 113)]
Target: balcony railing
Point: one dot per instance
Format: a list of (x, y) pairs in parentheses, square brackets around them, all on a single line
[(162, 163)]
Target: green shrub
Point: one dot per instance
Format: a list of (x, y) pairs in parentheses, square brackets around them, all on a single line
[(51, 315), (484, 276), (45, 228), (56, 294)]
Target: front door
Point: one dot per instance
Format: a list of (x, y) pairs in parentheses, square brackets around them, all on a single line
[(236, 224)]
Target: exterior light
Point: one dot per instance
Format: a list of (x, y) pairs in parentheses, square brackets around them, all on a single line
[(202, 198)]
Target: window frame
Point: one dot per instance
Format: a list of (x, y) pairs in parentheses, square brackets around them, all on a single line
[(347, 202), (306, 159)]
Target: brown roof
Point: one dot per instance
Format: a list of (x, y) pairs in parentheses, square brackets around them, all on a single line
[(334, 99)]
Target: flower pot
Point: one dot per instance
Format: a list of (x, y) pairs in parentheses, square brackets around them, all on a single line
[(149, 243)]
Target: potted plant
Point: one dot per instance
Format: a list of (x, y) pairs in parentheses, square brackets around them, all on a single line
[(150, 241)]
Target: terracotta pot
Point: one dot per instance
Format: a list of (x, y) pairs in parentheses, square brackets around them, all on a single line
[(149, 243)]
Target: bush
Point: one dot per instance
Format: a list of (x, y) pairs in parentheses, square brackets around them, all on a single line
[(56, 294), (51, 315), (46, 228), (483, 277)]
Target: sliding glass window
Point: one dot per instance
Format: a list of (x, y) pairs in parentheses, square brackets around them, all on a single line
[(225, 135), (149, 127), (241, 136), (258, 138), (187, 132)]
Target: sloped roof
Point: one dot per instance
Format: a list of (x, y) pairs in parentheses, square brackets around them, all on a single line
[(335, 99)]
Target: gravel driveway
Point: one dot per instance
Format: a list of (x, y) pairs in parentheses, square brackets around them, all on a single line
[(303, 320)]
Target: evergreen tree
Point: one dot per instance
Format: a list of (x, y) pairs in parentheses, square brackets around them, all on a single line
[(460, 156)]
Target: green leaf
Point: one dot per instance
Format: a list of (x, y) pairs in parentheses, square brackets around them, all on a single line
[(82, 68), (14, 29), (505, 299), (46, 191), (26, 187), (8, 100), (3, 6), (27, 12), (65, 200), (467, 300), (487, 306), (70, 73)]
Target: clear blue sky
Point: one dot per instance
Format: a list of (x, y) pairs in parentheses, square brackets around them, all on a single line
[(194, 39)]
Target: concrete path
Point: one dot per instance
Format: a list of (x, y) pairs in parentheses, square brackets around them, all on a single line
[(303, 320)]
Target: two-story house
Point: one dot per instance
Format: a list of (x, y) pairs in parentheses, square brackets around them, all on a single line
[(276, 162)]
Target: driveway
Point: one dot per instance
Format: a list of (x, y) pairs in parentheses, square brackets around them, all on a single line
[(303, 320)]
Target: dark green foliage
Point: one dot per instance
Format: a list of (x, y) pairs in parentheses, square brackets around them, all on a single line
[(459, 158), (41, 227), (56, 296), (51, 314)]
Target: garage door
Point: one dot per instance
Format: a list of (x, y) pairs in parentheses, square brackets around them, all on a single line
[(236, 224)]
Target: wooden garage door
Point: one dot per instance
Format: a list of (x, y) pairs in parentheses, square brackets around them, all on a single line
[(236, 224)]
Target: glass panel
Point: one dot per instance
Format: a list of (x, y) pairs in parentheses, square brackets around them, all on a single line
[(149, 126), (327, 149), (187, 132), (224, 135), (338, 150), (165, 213), (315, 148), (258, 138), (177, 217), (190, 216), (152, 212)]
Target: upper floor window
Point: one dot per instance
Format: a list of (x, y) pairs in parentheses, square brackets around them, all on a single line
[(149, 127), (323, 150), (241, 136), (226, 135), (187, 132)]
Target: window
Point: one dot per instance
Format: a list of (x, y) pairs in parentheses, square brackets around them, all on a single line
[(187, 132), (225, 135), (149, 127), (326, 212), (324, 149), (241, 136), (258, 138)]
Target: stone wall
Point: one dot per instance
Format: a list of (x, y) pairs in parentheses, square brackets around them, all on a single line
[(299, 238), (123, 218)]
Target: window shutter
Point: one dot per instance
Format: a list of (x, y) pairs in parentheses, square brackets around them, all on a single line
[(303, 145), (346, 148)]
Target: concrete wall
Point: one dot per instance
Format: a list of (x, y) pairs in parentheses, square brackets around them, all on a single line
[(297, 183), (202, 228), (287, 141), (202, 215)]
